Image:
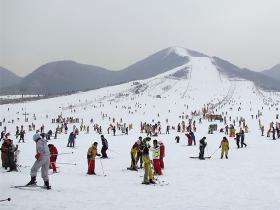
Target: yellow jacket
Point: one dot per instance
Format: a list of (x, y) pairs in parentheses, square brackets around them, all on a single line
[(146, 160), (224, 144), (134, 149), (92, 152)]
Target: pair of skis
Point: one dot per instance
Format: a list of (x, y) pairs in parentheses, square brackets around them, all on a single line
[(30, 186), (209, 157)]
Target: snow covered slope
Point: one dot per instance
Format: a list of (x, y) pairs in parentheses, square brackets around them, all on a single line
[(249, 179)]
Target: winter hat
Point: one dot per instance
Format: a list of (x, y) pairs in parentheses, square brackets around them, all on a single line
[(36, 136)]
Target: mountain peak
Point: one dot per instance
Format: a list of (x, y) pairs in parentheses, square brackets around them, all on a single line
[(184, 52)]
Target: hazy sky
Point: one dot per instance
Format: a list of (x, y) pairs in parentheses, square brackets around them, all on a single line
[(116, 33)]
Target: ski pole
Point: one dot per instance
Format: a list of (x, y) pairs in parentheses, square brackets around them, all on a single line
[(214, 152), (114, 151), (74, 164), (102, 168), (8, 199), (64, 153)]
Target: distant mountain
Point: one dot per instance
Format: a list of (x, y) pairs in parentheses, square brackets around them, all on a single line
[(232, 71), (62, 77), (274, 72), (68, 76), (153, 65), (7, 78)]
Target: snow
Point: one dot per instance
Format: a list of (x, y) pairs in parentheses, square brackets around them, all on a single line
[(249, 179)]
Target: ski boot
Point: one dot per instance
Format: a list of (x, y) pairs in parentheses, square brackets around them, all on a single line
[(147, 183), (47, 185), (152, 181), (32, 181)]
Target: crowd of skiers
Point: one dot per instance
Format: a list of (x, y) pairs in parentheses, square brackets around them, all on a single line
[(145, 153), (140, 153)]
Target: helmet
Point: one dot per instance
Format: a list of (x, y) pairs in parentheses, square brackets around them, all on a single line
[(36, 136)]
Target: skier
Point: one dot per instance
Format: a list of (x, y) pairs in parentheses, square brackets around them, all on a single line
[(162, 154), (91, 154), (237, 138), (273, 133), (262, 129), (21, 136), (133, 153), (148, 175), (189, 139), (156, 154), (140, 151), (242, 138), (104, 147), (10, 158), (71, 140), (53, 153), (42, 161), (225, 147), (193, 137), (202, 145), (3, 154)]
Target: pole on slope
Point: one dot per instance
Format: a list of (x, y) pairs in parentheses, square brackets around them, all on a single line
[(114, 151), (7, 199), (74, 164), (102, 167), (214, 152), (64, 153)]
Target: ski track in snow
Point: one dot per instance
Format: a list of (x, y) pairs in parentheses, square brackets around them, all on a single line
[(248, 180)]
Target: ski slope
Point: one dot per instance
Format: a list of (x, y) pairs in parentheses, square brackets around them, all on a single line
[(248, 180)]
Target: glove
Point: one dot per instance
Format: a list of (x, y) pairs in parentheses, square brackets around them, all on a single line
[(37, 156), (98, 155), (88, 156)]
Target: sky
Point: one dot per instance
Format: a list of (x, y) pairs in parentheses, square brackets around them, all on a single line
[(117, 33)]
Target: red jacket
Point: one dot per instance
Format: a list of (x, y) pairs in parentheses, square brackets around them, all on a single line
[(53, 152), (162, 150)]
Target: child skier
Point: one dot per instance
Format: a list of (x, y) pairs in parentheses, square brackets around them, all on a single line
[(225, 147), (53, 153)]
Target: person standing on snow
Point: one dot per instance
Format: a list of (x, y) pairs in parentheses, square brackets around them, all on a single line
[(156, 154), (202, 146), (242, 138), (237, 138), (54, 153), (133, 153), (91, 154), (193, 137), (71, 140), (225, 147), (148, 175), (104, 147), (42, 161), (162, 154), (140, 151), (189, 139)]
